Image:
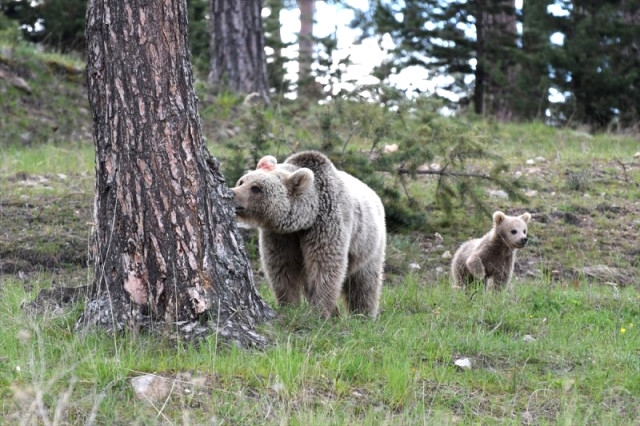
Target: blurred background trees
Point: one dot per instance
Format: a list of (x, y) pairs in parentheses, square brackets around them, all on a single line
[(562, 61), (559, 62)]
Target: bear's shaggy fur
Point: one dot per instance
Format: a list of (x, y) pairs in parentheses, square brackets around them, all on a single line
[(322, 232), (492, 256)]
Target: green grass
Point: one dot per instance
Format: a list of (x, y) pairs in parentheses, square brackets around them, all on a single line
[(582, 366), (47, 159)]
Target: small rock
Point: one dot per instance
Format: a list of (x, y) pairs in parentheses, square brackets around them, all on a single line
[(528, 338), (439, 239), (567, 386), (463, 363), (526, 417), (20, 84), (447, 255), (435, 167), (531, 193), (26, 137), (439, 270), (530, 162), (636, 155), (24, 336), (498, 193), (388, 149), (540, 159), (279, 388), (150, 387), (414, 266)]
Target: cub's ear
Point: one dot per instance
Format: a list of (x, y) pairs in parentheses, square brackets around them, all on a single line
[(299, 181), (498, 217), (526, 217)]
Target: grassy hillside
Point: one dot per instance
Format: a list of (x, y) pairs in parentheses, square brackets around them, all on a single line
[(562, 348)]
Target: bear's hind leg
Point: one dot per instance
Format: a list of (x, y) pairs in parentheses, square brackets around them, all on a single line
[(362, 289), (323, 282)]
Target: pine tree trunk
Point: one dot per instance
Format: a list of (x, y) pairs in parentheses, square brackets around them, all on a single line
[(305, 47), (238, 61), (496, 29), (166, 248)]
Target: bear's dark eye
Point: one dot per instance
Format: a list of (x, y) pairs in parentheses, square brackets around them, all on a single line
[(525, 232), (514, 232), (256, 189), (240, 182)]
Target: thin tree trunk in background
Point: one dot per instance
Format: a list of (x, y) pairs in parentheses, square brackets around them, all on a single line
[(273, 38), (479, 87), (166, 249), (238, 61), (305, 46), (497, 23)]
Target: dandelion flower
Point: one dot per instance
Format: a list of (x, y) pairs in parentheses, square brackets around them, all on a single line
[(623, 330)]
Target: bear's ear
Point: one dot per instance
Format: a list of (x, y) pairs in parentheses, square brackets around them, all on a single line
[(498, 217), (267, 163), (299, 181), (526, 217)]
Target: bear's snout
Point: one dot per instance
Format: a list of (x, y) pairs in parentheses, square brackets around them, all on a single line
[(237, 202), (524, 241)]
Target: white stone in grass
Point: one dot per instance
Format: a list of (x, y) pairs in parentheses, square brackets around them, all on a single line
[(439, 239), (498, 193), (150, 387), (528, 338), (447, 255), (530, 162), (413, 266), (463, 363), (279, 388), (636, 155), (388, 149)]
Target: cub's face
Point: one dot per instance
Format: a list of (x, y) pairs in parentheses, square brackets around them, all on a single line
[(264, 198), (512, 229)]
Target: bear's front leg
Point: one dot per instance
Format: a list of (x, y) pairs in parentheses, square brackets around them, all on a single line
[(282, 263), (476, 268), (325, 271), (502, 275)]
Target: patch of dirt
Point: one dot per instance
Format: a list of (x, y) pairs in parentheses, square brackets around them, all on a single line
[(42, 231)]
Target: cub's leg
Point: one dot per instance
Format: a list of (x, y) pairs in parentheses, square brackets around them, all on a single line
[(475, 267)]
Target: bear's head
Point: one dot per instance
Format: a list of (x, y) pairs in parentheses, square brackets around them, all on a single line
[(277, 197), (511, 229)]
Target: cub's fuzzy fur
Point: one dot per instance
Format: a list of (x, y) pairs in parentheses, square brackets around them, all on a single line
[(491, 257), (322, 232)]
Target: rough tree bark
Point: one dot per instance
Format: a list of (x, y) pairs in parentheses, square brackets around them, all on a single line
[(238, 61), (166, 248)]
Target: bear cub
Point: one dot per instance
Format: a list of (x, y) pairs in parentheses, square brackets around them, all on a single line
[(322, 232), (491, 257)]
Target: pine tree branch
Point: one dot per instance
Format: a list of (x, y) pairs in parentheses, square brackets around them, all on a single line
[(443, 172)]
